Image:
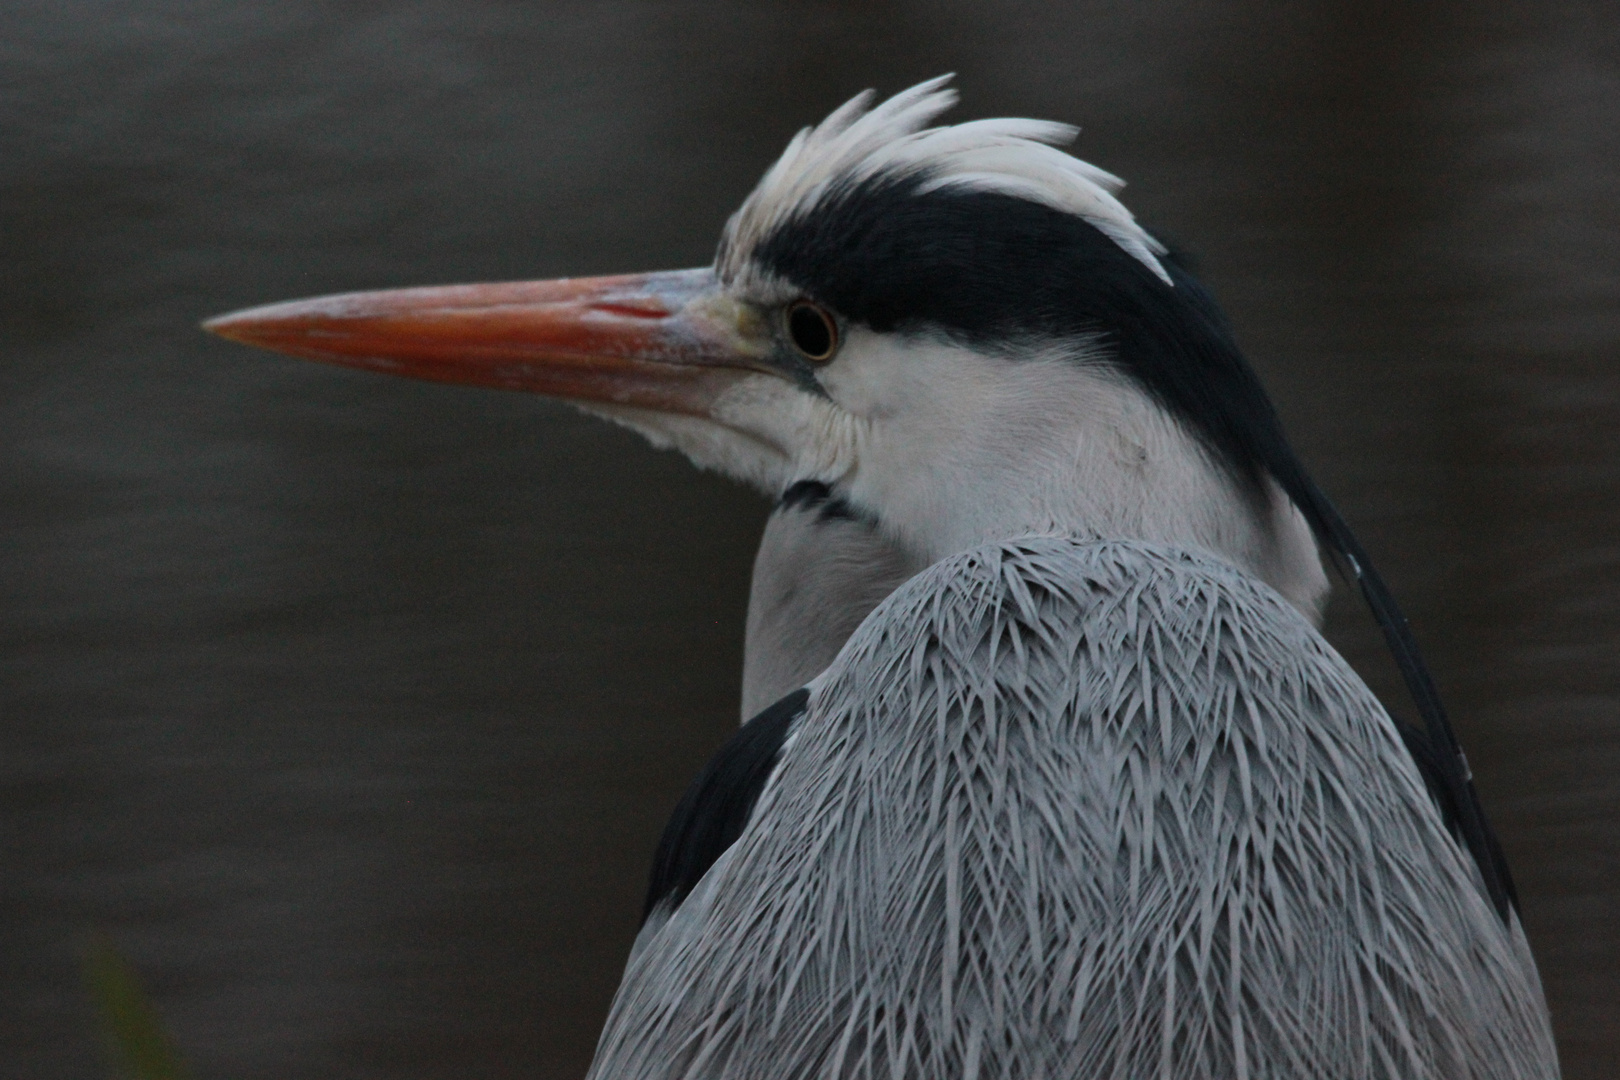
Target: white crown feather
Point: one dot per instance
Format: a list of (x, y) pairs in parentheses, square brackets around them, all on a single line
[(1009, 155)]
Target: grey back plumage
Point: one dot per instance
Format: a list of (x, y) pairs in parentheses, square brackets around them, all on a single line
[(1070, 809)]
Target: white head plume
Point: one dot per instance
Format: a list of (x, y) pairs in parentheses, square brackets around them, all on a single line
[(1009, 155)]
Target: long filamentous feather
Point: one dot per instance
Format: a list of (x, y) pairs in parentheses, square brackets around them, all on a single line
[(1066, 809)]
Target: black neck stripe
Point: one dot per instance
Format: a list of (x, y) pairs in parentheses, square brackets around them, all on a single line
[(814, 495)]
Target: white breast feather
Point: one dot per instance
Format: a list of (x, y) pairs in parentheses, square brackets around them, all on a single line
[(1066, 809)]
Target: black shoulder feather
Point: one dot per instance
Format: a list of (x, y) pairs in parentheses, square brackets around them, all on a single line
[(712, 813)]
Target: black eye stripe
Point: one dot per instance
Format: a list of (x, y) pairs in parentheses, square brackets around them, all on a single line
[(812, 331)]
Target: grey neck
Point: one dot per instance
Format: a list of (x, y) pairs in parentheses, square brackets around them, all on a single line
[(817, 575)]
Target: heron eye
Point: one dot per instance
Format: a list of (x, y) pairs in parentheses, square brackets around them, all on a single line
[(813, 331)]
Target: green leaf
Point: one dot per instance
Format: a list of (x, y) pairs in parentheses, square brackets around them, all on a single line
[(140, 1048)]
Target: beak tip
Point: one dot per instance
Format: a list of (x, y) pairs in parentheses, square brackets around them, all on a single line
[(246, 327), (225, 326)]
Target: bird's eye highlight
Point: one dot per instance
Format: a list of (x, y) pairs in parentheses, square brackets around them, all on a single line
[(813, 331)]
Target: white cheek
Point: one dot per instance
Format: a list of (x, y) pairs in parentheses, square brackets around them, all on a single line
[(873, 376), (807, 434), (956, 446), (922, 412)]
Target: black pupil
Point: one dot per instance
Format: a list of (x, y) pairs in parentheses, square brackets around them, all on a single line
[(811, 332)]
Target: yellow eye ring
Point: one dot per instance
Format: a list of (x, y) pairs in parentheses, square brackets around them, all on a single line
[(813, 331)]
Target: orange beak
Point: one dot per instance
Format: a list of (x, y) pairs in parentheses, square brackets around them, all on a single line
[(670, 341)]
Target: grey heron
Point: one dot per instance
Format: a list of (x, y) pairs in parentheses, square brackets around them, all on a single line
[(1083, 792)]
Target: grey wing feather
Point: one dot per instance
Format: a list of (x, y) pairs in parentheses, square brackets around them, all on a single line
[(1066, 809)]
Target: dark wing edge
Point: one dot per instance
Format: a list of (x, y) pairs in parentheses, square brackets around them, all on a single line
[(716, 807), (1433, 746)]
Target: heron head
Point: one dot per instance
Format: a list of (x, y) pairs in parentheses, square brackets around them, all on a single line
[(958, 329)]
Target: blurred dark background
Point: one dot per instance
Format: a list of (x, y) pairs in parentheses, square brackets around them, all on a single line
[(351, 708)]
